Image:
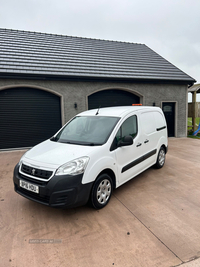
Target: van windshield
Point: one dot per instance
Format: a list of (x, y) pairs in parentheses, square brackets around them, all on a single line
[(87, 130)]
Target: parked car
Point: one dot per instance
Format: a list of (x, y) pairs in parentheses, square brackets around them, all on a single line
[(94, 153)]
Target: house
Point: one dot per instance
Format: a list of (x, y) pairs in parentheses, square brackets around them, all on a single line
[(46, 79)]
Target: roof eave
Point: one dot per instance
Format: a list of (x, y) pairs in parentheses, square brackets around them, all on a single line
[(35, 76)]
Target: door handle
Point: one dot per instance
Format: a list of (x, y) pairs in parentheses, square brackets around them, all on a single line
[(138, 144), (146, 141)]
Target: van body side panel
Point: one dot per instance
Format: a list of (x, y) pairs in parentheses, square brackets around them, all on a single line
[(139, 160), (154, 132), (134, 159), (99, 162)]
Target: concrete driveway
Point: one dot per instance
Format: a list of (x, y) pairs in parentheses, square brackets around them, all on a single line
[(153, 220)]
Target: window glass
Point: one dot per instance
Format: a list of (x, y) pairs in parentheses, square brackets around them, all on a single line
[(88, 130), (129, 127)]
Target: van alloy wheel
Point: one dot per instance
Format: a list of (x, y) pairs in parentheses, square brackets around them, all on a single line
[(101, 191), (161, 158)]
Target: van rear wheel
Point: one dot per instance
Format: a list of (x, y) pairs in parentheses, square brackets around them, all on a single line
[(101, 191), (161, 158)]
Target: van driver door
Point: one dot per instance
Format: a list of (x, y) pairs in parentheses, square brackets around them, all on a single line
[(128, 158)]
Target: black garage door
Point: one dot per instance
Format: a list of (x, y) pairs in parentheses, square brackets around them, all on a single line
[(27, 117), (111, 98)]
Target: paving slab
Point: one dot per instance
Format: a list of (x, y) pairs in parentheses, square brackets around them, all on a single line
[(167, 201), (193, 263), (151, 221)]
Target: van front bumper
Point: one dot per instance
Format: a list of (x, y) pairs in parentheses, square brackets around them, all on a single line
[(64, 191)]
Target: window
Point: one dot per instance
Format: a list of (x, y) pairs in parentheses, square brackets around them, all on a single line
[(129, 127), (87, 130)]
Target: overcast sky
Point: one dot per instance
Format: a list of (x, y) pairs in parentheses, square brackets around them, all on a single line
[(171, 28)]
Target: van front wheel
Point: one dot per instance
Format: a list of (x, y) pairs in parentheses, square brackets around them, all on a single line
[(161, 158), (101, 191)]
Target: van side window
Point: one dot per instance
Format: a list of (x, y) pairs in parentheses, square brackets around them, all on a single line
[(129, 127)]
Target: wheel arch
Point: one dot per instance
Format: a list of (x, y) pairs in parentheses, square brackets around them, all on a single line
[(111, 174), (165, 148)]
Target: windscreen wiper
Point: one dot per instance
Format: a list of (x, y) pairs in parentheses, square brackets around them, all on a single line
[(92, 144), (53, 138)]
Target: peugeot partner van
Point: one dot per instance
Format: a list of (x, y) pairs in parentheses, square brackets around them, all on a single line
[(94, 153)]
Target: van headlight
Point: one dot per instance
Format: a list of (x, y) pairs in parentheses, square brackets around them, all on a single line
[(73, 167)]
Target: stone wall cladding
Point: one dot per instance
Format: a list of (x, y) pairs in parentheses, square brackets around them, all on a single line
[(77, 92)]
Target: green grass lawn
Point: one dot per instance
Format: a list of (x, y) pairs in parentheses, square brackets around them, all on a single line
[(190, 121)]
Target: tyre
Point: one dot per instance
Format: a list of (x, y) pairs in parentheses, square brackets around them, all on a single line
[(101, 191), (161, 158)]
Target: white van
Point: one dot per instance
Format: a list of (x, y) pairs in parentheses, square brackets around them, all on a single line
[(94, 153)]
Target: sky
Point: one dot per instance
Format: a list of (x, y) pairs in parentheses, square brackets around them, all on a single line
[(170, 28)]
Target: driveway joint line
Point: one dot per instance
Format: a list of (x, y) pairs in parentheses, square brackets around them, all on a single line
[(150, 231), (193, 259)]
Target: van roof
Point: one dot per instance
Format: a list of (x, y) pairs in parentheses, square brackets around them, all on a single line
[(116, 111)]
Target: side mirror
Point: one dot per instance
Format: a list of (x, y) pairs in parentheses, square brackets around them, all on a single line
[(128, 141)]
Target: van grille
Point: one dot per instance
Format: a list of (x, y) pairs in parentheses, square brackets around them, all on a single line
[(32, 180), (36, 172)]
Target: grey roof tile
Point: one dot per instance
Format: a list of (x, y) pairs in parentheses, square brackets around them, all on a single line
[(66, 56)]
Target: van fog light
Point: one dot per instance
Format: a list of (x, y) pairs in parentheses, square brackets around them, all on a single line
[(74, 167)]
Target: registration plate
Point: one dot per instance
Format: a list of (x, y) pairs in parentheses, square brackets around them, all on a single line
[(28, 186)]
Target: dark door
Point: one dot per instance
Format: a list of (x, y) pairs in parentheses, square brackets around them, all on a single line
[(28, 116), (111, 98), (169, 111)]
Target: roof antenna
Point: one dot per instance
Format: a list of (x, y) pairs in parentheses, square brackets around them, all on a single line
[(98, 111)]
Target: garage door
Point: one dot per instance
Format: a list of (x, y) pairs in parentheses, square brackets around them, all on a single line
[(110, 98), (27, 117)]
